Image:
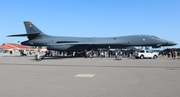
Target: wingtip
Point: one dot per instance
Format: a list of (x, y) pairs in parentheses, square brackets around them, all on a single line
[(9, 35)]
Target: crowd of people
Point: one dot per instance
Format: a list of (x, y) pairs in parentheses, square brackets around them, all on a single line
[(117, 54), (174, 54)]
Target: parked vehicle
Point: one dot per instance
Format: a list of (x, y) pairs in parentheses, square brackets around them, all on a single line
[(145, 54)]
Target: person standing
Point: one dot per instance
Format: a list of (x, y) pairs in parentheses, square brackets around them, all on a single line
[(178, 54), (102, 54), (116, 55), (175, 54), (120, 55), (92, 53), (172, 54), (11, 52)]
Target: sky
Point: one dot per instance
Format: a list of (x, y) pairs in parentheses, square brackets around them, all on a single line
[(91, 18)]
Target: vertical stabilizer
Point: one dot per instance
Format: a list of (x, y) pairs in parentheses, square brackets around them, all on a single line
[(31, 28)]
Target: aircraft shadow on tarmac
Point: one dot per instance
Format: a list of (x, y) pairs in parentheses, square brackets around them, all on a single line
[(47, 58), (57, 57)]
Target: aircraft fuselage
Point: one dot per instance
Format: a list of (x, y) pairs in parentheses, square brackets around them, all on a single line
[(81, 43)]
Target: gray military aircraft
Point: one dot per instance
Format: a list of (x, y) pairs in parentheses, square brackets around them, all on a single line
[(60, 43)]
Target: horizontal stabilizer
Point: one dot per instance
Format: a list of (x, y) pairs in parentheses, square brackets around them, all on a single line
[(29, 34)]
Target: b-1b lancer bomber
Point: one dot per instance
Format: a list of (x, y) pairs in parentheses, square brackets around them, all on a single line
[(60, 43)]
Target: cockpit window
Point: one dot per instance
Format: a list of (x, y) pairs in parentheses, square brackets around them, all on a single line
[(155, 37)]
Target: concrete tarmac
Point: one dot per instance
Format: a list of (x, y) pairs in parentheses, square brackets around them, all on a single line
[(86, 77)]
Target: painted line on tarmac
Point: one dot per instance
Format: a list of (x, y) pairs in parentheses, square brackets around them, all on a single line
[(85, 75)]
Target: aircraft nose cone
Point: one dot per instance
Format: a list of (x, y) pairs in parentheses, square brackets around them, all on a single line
[(171, 43)]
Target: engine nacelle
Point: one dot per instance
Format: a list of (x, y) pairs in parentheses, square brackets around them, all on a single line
[(29, 43), (156, 46)]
